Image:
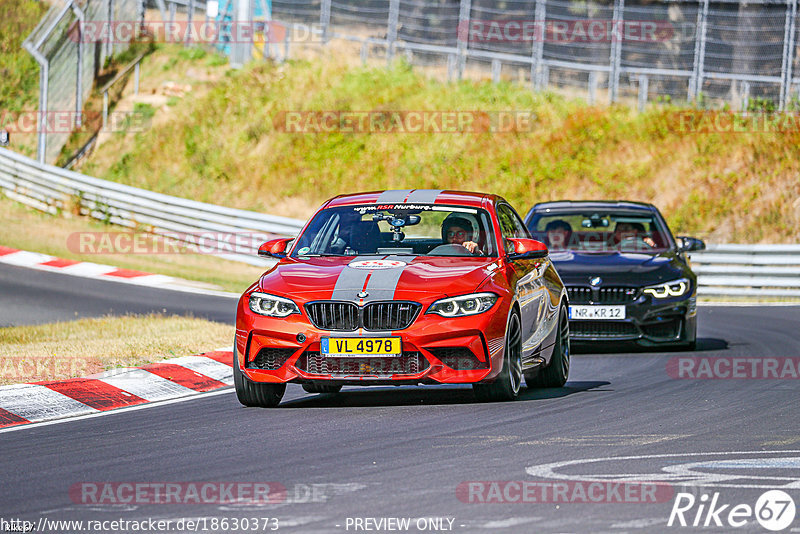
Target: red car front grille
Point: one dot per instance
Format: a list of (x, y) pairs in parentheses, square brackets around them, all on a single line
[(347, 316)]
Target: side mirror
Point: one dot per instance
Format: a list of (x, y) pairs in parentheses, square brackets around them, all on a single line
[(275, 248), (690, 244), (527, 249)]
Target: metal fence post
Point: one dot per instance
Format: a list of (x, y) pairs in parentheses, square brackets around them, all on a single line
[(539, 15), (136, 78), (391, 30), (616, 50), (452, 60), (745, 96), (110, 34), (325, 18), (643, 83), (496, 70), (788, 53), (172, 11), (79, 75), (592, 87), (189, 17), (105, 108), (464, 13), (696, 81), (44, 87)]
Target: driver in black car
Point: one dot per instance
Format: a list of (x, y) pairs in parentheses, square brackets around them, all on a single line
[(458, 231)]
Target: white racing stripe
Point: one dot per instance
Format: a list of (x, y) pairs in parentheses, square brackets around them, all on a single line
[(117, 411), (25, 259), (146, 385), (205, 366), (86, 269), (37, 403)]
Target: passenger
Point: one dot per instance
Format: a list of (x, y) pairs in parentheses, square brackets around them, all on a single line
[(631, 230), (356, 236), (558, 234)]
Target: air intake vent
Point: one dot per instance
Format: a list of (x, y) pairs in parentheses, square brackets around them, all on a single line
[(603, 295), (270, 359)]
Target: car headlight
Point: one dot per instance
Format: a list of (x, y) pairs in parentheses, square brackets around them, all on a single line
[(264, 304), (464, 305), (675, 288)]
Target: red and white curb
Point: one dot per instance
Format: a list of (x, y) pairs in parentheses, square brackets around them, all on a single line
[(119, 388), (85, 269)]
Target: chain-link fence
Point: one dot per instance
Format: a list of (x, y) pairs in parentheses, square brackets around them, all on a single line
[(69, 64), (697, 51), (700, 51)]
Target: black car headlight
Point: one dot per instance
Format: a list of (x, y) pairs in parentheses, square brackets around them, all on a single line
[(464, 305), (674, 288), (271, 305)]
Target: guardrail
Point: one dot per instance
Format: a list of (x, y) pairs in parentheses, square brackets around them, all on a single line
[(748, 271), (723, 270), (49, 188)]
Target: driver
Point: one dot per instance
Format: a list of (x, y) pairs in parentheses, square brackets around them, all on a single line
[(558, 234), (459, 231)]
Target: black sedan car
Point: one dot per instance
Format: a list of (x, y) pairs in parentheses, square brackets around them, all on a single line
[(626, 276)]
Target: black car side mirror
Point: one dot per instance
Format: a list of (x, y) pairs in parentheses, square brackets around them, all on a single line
[(690, 244)]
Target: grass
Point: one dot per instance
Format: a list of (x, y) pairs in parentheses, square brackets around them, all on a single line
[(78, 348), (28, 229), (19, 72), (221, 146)]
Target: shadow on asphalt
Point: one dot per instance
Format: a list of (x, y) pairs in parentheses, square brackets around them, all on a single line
[(704, 344), (427, 396)]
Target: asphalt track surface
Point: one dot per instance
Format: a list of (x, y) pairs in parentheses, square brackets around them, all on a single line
[(403, 452), (29, 296)]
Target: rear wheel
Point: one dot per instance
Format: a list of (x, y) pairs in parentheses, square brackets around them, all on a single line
[(255, 394), (556, 373), (321, 388), (507, 384)]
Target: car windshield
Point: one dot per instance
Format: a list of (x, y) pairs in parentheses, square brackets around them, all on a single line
[(421, 230), (601, 231)]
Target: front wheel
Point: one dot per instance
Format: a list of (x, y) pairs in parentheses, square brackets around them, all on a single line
[(255, 394), (556, 373), (507, 384)]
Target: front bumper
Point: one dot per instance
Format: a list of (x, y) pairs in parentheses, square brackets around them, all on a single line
[(648, 321), (434, 350)]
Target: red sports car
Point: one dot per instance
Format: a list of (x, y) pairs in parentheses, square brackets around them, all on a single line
[(404, 287)]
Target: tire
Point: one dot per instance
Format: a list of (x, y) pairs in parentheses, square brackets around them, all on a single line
[(507, 384), (322, 388), (255, 394), (556, 373)]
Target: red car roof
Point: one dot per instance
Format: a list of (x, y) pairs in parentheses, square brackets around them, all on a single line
[(413, 196)]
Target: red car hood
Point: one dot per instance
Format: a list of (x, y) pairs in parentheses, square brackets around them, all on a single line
[(397, 277)]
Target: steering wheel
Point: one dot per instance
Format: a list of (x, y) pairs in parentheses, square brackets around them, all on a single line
[(635, 243), (452, 249)]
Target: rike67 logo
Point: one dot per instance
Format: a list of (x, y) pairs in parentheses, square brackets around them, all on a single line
[(774, 510)]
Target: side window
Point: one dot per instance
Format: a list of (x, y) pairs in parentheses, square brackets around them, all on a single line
[(511, 223), (506, 222), (511, 226)]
